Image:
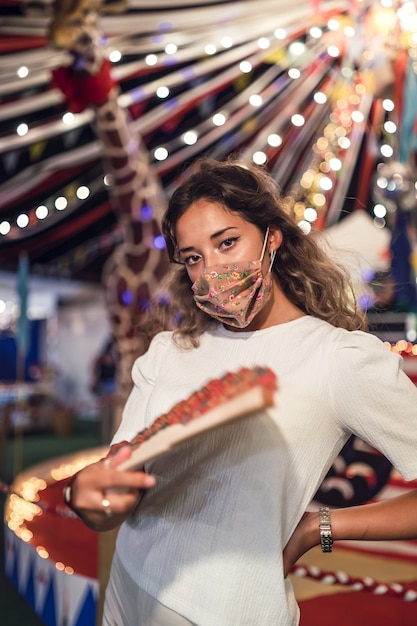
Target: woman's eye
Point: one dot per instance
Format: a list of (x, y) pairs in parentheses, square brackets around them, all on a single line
[(191, 260), (228, 243)]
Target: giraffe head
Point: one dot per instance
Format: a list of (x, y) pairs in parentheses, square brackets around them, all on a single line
[(75, 25)]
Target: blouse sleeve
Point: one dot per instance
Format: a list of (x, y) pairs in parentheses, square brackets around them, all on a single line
[(144, 373), (375, 399)]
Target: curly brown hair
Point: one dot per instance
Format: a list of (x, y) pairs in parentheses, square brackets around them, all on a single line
[(307, 275)]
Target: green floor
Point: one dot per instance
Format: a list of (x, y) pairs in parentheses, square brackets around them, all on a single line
[(14, 611)]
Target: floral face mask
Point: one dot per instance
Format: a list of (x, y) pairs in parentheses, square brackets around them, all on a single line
[(233, 293)]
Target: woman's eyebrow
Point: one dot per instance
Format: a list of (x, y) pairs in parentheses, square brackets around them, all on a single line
[(185, 250), (219, 233), (214, 236)]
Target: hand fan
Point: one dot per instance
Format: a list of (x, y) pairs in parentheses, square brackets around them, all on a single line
[(234, 395)]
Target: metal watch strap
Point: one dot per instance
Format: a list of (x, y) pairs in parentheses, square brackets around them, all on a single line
[(326, 540)]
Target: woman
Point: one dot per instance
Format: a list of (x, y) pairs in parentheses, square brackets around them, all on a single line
[(206, 543)]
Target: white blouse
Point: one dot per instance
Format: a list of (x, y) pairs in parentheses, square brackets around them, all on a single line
[(207, 541)]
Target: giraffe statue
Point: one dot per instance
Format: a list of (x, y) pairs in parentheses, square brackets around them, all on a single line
[(133, 272)]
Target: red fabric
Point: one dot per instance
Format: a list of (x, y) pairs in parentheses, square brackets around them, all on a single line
[(81, 89), (13, 43)]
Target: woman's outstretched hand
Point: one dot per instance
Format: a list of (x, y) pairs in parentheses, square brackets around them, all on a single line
[(104, 496)]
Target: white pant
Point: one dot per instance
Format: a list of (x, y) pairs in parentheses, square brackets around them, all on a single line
[(126, 604)]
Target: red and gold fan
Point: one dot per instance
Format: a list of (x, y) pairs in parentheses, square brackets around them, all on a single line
[(221, 400)]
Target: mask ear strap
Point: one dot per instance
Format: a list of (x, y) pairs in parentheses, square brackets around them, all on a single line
[(272, 257), (265, 242)]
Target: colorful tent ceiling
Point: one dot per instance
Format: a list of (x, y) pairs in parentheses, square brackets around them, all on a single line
[(296, 86)]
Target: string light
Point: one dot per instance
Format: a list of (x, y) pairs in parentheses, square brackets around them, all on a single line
[(402, 346), (151, 60), (280, 33), (325, 183), (386, 151), (274, 140), (210, 49), (315, 32), (304, 226), (162, 92), (335, 164), (41, 212), (256, 100), (190, 137), (82, 192), (390, 127), (226, 42), (333, 51), (259, 158), (344, 142), (310, 214), (388, 104), (68, 118), (160, 153), (219, 119), (357, 116), (264, 43), (23, 71), (333, 24), (320, 97), (22, 129), (347, 73), (297, 119), (296, 48), (171, 48), (349, 31), (61, 203), (379, 210), (294, 73), (115, 56), (22, 220), (245, 67)]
